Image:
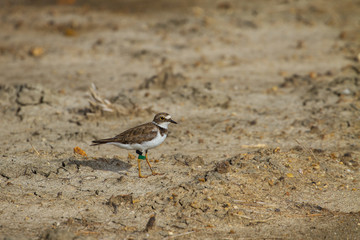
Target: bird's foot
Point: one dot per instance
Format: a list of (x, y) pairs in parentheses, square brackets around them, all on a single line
[(142, 176), (156, 173)]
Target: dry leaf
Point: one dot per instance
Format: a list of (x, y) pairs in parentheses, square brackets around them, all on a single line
[(80, 151), (313, 75), (65, 2), (290, 175), (69, 32), (277, 149), (36, 51)]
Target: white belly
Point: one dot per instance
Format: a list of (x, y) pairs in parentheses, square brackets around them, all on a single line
[(144, 145)]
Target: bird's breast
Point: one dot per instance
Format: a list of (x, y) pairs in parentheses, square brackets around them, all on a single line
[(159, 139)]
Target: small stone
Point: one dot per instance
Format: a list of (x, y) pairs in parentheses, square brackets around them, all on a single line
[(300, 44), (314, 130), (316, 166), (224, 5), (36, 51), (151, 223)]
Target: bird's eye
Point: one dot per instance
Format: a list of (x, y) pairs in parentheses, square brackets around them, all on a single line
[(162, 118)]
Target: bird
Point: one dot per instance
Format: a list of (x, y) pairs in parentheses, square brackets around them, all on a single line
[(142, 138)]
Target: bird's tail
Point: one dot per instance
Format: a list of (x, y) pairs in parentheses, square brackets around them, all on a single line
[(101, 141)]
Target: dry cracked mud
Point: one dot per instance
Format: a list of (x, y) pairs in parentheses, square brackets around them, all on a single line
[(266, 94)]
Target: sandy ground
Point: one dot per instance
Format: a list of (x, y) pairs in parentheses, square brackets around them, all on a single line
[(266, 93)]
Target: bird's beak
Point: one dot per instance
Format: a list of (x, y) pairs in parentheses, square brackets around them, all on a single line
[(172, 121)]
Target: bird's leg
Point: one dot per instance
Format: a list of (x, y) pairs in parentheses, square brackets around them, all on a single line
[(139, 165), (147, 160), (140, 176)]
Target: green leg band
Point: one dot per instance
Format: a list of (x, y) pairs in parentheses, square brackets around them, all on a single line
[(141, 157)]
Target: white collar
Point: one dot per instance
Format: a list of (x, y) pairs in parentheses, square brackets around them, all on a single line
[(163, 125)]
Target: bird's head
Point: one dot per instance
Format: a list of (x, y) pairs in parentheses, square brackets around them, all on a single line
[(163, 120)]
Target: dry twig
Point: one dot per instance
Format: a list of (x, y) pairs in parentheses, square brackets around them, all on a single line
[(97, 102), (180, 234), (307, 150), (35, 149)]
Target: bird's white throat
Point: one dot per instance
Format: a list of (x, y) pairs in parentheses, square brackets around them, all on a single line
[(162, 125)]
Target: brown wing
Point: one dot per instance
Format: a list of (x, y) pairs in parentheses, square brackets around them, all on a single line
[(138, 134)]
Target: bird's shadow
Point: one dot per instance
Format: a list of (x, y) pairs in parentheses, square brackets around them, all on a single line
[(104, 164)]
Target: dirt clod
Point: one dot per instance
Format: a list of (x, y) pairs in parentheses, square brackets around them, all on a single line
[(222, 167)]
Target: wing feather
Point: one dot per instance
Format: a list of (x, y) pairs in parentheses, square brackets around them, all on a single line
[(141, 133)]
